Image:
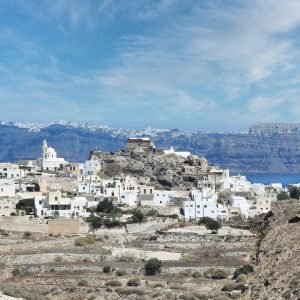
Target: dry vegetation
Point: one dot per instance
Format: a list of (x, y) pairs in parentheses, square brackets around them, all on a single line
[(39, 266)]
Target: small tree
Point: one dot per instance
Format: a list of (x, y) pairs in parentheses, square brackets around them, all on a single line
[(294, 192), (96, 222), (242, 270), (283, 196), (213, 225), (137, 216), (105, 206), (152, 266)]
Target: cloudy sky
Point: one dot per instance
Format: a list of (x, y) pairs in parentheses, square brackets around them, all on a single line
[(215, 65)]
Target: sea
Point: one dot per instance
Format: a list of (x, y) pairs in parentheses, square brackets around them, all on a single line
[(285, 179)]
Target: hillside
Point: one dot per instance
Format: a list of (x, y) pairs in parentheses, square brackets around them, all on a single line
[(265, 149), (277, 273)]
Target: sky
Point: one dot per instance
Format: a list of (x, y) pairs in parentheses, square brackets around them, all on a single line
[(209, 65)]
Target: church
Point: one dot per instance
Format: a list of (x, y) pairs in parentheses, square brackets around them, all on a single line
[(49, 160)]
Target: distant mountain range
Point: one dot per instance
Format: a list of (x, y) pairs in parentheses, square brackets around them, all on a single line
[(267, 148)]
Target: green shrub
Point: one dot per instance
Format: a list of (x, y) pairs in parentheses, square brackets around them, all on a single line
[(16, 271), (27, 234), (106, 269), (196, 274), (126, 291), (58, 259), (242, 270), (83, 241), (114, 283), (137, 216), (134, 282), (152, 266), (83, 282), (219, 274), (121, 273)]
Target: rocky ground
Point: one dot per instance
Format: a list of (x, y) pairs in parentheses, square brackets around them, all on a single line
[(277, 270), (164, 171), (195, 264)]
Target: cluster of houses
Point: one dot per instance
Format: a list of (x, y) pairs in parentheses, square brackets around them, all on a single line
[(219, 195)]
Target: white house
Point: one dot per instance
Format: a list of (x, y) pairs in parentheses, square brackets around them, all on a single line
[(7, 188), (91, 167), (49, 160), (130, 198), (246, 206), (12, 171), (54, 204), (201, 204), (236, 184), (171, 150)]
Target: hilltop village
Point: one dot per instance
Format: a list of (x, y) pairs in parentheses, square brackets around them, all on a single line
[(176, 183), (143, 223)]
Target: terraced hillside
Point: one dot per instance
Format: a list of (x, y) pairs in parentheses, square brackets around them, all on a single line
[(195, 264)]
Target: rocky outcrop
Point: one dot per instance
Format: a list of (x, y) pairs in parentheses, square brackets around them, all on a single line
[(277, 273), (164, 171)]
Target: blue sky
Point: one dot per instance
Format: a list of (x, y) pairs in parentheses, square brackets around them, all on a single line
[(196, 65)]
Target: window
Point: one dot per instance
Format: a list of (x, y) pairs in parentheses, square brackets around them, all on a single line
[(144, 191), (205, 206), (198, 206), (212, 211), (56, 198)]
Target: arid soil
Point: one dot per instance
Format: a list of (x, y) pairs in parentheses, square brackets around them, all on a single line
[(277, 271), (195, 264)]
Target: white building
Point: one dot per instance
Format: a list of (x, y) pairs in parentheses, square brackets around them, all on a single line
[(236, 184), (91, 167), (49, 160), (55, 205), (130, 198), (246, 206), (171, 150), (7, 188), (12, 171), (201, 204)]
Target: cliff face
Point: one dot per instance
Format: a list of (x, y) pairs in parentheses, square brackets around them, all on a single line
[(277, 274), (263, 150)]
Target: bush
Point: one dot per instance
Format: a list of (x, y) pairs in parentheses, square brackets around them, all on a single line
[(134, 282), (219, 274), (152, 266), (196, 274), (105, 206), (27, 234), (294, 192), (213, 225), (58, 259), (83, 282), (114, 283), (137, 216), (13, 214), (121, 273), (130, 291), (16, 272), (283, 196), (242, 270), (106, 269), (83, 241)]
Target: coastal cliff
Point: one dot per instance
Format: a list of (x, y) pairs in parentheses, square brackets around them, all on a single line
[(267, 148)]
